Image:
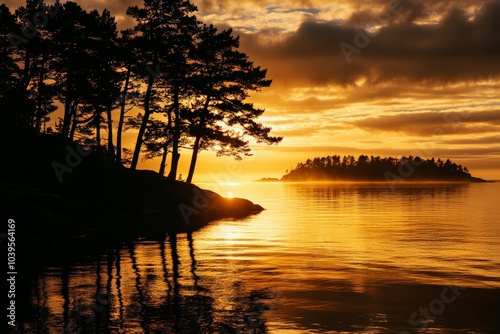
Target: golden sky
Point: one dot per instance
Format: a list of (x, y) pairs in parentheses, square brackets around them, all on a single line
[(424, 81)]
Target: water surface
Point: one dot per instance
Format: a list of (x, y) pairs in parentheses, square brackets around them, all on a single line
[(322, 258)]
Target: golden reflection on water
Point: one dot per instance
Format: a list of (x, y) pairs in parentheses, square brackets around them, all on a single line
[(418, 228), (321, 258), (359, 238)]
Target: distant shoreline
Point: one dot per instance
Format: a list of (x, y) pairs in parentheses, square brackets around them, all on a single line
[(276, 180), (380, 169)]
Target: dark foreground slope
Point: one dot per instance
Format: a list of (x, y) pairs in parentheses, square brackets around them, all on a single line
[(98, 201)]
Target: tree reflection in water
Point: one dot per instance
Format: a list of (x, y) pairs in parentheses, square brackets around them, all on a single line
[(120, 292)]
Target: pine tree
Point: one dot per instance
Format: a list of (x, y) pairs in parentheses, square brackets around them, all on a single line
[(222, 80), (163, 32)]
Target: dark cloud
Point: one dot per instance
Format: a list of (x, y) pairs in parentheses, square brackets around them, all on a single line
[(312, 151), (468, 152), (458, 154), (456, 49), (434, 123), (464, 45), (410, 10), (308, 131), (218, 5), (473, 141)]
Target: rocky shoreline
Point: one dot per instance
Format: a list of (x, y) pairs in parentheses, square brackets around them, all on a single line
[(99, 203)]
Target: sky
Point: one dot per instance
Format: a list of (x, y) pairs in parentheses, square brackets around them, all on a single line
[(375, 77)]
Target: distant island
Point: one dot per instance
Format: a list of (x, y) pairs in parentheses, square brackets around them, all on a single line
[(370, 168), (268, 179)]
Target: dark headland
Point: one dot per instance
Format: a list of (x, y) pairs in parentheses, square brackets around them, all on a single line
[(95, 201), (377, 169)]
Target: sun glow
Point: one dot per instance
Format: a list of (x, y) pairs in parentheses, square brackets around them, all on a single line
[(229, 184)]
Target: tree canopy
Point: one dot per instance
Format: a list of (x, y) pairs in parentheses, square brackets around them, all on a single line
[(371, 168), (181, 84)]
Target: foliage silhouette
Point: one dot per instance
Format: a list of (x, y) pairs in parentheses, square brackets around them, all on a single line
[(372, 168), (190, 80)]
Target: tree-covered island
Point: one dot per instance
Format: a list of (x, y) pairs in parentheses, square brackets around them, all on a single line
[(371, 168)]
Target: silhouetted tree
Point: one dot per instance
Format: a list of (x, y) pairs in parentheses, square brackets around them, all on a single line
[(25, 57), (221, 80), (9, 68), (104, 77), (163, 33), (130, 93), (191, 80), (71, 36), (9, 73), (38, 54)]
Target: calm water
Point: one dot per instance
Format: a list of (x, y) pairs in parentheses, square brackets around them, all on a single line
[(321, 259)]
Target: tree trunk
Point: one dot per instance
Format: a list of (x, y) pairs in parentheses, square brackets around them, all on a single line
[(142, 129), (72, 114), (196, 147), (67, 118), (165, 148), (41, 87), (177, 134), (194, 158), (164, 160), (97, 123), (67, 106), (111, 148), (122, 120), (25, 81)]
